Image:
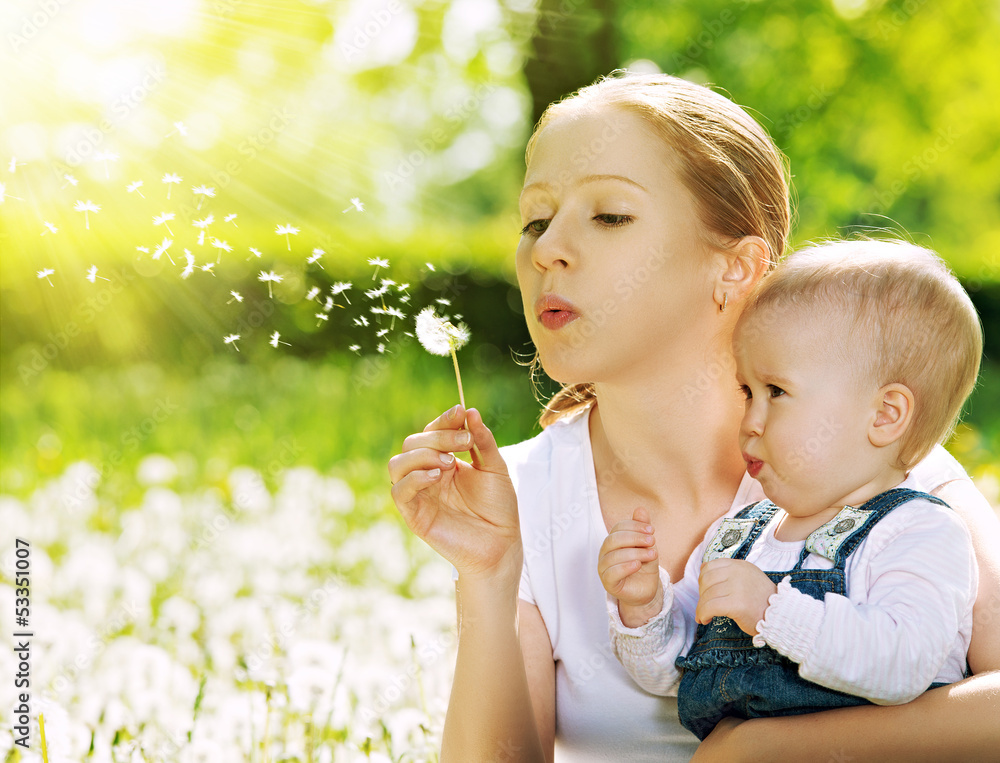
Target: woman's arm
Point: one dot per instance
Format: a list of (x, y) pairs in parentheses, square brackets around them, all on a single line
[(981, 519), (953, 723), (468, 514), (540, 665)]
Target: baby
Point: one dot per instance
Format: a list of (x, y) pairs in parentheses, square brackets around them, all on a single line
[(853, 585)]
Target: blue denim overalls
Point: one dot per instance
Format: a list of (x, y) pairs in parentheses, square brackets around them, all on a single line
[(724, 673)]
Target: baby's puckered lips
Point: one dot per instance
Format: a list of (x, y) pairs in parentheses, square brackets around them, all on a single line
[(554, 312), (753, 465)]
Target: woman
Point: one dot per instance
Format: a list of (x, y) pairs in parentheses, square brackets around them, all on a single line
[(651, 208)]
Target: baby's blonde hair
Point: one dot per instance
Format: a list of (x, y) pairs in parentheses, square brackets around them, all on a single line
[(905, 319), (727, 161)]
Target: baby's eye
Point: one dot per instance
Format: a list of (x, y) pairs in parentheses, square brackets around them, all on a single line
[(747, 394), (535, 228), (775, 391), (613, 221)]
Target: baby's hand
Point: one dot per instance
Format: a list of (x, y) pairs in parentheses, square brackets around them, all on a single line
[(630, 571), (733, 588)]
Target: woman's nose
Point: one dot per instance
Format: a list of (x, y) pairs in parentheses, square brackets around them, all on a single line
[(554, 248)]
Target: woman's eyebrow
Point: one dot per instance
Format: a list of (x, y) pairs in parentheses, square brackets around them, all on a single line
[(543, 186)]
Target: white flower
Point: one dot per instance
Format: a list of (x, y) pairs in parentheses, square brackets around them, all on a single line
[(437, 335)]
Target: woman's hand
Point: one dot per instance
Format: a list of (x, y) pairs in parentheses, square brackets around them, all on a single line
[(467, 513)]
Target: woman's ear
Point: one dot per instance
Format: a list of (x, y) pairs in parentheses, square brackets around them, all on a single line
[(744, 265), (893, 413)]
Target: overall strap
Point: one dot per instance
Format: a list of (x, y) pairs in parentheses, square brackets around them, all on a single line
[(878, 507), (736, 535)]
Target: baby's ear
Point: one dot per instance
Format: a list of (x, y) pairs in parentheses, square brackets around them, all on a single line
[(893, 413)]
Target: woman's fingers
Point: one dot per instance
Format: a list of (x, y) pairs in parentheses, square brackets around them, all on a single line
[(487, 454), (405, 489)]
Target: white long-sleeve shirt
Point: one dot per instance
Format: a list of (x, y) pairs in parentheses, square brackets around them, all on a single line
[(905, 622)]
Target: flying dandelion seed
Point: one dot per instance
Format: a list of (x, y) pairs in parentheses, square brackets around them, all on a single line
[(201, 238), (381, 333), (322, 317), (207, 268), (135, 186), (355, 348), (439, 336), (254, 253), (286, 231), (269, 277), (402, 287), (189, 268), (430, 267), (315, 257), (162, 249), (222, 246), (377, 263), (231, 339), (45, 274), (276, 340), (339, 288), (171, 180), (394, 313), (70, 180), (163, 220), (361, 321), (204, 192), (229, 219), (92, 275), (143, 249), (329, 304), (313, 293), (86, 207), (381, 348), (13, 165), (357, 204), (50, 228), (237, 297), (443, 301), (180, 128), (106, 156)]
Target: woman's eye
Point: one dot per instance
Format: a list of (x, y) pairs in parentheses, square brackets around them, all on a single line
[(613, 221), (775, 391), (535, 228)]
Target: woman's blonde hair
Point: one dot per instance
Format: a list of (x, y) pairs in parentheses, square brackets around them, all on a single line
[(724, 158), (903, 318)]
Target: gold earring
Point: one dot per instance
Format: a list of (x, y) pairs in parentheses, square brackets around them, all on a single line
[(725, 299)]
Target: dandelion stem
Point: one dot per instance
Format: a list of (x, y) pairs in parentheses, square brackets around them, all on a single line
[(41, 729), (461, 396)]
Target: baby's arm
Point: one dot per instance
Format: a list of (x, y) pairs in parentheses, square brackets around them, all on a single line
[(648, 625), (920, 578)]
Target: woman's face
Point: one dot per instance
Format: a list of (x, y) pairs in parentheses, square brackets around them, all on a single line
[(614, 272)]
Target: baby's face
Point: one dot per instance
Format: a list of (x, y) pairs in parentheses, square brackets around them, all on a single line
[(804, 434)]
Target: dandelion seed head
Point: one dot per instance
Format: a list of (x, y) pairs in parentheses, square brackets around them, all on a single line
[(437, 335), (203, 190), (312, 293), (221, 245), (170, 178), (255, 252), (134, 186), (355, 348), (237, 296), (92, 274), (45, 273), (340, 286), (71, 180), (204, 223), (378, 262), (283, 230)]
